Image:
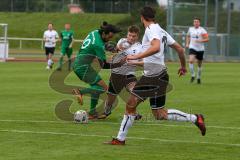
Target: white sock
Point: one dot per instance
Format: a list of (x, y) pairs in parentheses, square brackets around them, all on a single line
[(125, 125), (191, 68), (176, 115), (50, 62), (199, 72)]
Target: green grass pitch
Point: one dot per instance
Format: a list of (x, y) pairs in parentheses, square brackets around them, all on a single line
[(29, 128)]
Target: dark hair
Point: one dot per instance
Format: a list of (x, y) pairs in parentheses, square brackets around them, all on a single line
[(134, 29), (50, 23), (148, 13), (107, 28), (196, 18)]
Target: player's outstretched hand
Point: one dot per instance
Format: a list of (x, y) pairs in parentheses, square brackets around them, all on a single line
[(110, 46), (182, 71)]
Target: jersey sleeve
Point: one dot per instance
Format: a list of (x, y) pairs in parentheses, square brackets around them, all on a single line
[(56, 35), (170, 40), (139, 48), (44, 35), (152, 34), (204, 32), (120, 41)]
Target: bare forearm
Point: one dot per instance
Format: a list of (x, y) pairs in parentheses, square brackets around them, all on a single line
[(178, 48), (187, 41)]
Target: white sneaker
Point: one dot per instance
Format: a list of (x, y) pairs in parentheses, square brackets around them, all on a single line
[(47, 67)]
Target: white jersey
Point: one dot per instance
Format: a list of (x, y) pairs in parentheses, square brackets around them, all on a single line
[(126, 69), (154, 64), (196, 34), (51, 38)]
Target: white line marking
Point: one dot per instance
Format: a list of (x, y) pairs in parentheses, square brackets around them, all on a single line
[(115, 123), (134, 138)]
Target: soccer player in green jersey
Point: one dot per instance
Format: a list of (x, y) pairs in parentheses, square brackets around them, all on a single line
[(91, 55), (66, 38)]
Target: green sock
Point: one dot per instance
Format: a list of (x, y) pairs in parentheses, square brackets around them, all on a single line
[(94, 102), (60, 62), (69, 64)]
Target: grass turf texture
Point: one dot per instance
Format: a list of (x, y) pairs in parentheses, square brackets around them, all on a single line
[(26, 95)]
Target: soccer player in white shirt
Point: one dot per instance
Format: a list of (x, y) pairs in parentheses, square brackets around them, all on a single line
[(153, 84), (124, 76), (50, 37), (196, 37)]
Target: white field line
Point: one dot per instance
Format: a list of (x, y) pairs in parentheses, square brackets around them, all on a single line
[(134, 138), (115, 123)]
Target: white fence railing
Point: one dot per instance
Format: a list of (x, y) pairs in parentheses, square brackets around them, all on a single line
[(40, 40)]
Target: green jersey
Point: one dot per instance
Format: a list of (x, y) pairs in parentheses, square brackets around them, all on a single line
[(93, 45), (67, 37)]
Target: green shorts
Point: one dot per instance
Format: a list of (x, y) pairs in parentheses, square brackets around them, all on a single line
[(66, 50), (86, 72)]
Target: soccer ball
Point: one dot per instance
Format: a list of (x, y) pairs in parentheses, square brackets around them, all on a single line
[(81, 117)]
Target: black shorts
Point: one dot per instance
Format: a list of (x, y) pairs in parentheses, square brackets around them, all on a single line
[(118, 82), (198, 54), (49, 50), (154, 88)]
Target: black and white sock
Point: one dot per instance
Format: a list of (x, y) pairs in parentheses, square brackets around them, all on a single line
[(125, 125), (176, 115)]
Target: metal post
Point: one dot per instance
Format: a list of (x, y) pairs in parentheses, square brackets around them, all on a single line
[(129, 6), (5, 41), (63, 5), (216, 16), (111, 6), (170, 15), (27, 5), (20, 44), (206, 14), (11, 5), (94, 6), (45, 5), (228, 26)]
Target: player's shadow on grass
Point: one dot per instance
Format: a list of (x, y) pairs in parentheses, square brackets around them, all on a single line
[(62, 108)]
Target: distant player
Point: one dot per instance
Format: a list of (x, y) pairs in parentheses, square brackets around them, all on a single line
[(124, 76), (153, 84), (196, 37), (50, 37), (90, 56), (66, 39)]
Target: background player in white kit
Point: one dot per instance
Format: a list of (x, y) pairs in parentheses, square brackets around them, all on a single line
[(196, 37), (50, 37), (124, 76), (153, 84)]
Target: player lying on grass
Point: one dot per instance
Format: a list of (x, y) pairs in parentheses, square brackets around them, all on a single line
[(90, 59), (66, 39), (153, 84), (124, 76)]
